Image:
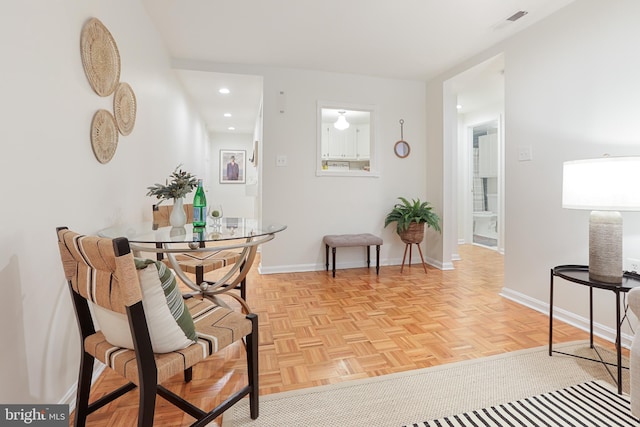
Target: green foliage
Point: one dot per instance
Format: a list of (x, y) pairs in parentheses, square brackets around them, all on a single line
[(182, 183), (403, 214)]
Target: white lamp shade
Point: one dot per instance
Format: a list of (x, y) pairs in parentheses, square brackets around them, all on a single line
[(608, 183)]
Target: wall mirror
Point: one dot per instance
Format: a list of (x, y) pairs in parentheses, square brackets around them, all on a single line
[(402, 149), (345, 141)]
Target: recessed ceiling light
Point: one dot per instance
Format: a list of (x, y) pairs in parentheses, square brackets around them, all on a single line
[(231, 128), (224, 90), (227, 114)]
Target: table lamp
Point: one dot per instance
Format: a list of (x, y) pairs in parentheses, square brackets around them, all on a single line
[(605, 186)]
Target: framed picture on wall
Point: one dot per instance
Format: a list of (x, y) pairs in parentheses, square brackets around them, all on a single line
[(233, 166)]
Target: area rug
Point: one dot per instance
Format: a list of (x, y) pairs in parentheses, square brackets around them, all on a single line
[(590, 404), (406, 398)]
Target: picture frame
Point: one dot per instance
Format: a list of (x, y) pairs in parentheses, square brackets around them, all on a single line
[(233, 166)]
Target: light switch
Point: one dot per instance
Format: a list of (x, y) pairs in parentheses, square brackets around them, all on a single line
[(525, 153), (281, 160)]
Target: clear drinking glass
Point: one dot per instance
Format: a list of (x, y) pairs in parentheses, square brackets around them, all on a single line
[(215, 212)]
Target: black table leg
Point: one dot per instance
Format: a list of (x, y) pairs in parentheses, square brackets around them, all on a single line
[(591, 316), (551, 313), (618, 343)]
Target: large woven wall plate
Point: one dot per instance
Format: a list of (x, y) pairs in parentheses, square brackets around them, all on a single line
[(124, 108), (100, 57), (104, 136)]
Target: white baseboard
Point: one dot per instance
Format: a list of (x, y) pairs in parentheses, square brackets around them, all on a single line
[(599, 330), (69, 397), (300, 268)]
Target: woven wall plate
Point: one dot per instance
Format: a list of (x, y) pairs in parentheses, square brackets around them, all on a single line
[(124, 108), (100, 57), (104, 136)]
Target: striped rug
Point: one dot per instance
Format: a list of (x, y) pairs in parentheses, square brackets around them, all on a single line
[(592, 404)]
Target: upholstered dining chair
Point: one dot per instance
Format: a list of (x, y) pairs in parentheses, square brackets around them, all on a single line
[(198, 263), (147, 332)]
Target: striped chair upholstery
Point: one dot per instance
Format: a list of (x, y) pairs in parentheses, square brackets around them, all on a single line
[(216, 327), (103, 272)]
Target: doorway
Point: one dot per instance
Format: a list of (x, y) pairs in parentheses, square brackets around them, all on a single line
[(478, 161), (484, 143)]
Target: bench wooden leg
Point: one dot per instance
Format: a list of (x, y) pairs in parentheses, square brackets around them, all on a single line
[(368, 256), (326, 256), (333, 250), (377, 259)]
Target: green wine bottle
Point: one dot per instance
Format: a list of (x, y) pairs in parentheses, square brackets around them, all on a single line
[(199, 207)]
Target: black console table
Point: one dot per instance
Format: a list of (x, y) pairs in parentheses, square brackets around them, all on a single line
[(580, 274)]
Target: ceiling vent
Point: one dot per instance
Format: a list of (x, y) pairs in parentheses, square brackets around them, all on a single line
[(517, 15)]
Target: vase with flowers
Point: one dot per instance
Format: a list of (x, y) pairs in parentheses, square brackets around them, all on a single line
[(176, 187)]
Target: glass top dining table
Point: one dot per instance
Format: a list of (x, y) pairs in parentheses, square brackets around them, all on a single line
[(227, 229), (240, 234)]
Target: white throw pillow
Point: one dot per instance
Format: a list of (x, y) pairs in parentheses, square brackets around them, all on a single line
[(170, 323)]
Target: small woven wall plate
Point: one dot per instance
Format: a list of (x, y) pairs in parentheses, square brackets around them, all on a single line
[(124, 108), (100, 57), (104, 136)]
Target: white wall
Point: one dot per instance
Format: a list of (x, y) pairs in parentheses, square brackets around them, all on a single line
[(51, 178), (313, 206), (571, 83)]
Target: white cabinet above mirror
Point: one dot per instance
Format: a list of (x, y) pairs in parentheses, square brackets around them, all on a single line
[(346, 143)]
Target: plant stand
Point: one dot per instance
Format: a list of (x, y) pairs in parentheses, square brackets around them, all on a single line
[(412, 236), (408, 246)]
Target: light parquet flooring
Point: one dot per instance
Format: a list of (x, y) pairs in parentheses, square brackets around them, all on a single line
[(315, 330)]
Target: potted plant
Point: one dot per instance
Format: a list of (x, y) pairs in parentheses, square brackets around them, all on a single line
[(176, 187), (410, 219)]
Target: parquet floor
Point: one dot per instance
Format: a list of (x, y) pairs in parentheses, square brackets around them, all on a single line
[(316, 330)]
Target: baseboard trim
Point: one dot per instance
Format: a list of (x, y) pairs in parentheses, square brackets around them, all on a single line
[(69, 397), (301, 268), (582, 323)]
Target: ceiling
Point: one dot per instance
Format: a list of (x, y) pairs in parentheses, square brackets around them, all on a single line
[(403, 39), (242, 102)]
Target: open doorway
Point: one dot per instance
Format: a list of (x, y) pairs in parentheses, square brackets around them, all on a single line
[(483, 141), (479, 94)]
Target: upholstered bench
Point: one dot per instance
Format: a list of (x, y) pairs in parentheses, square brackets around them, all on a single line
[(345, 240)]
